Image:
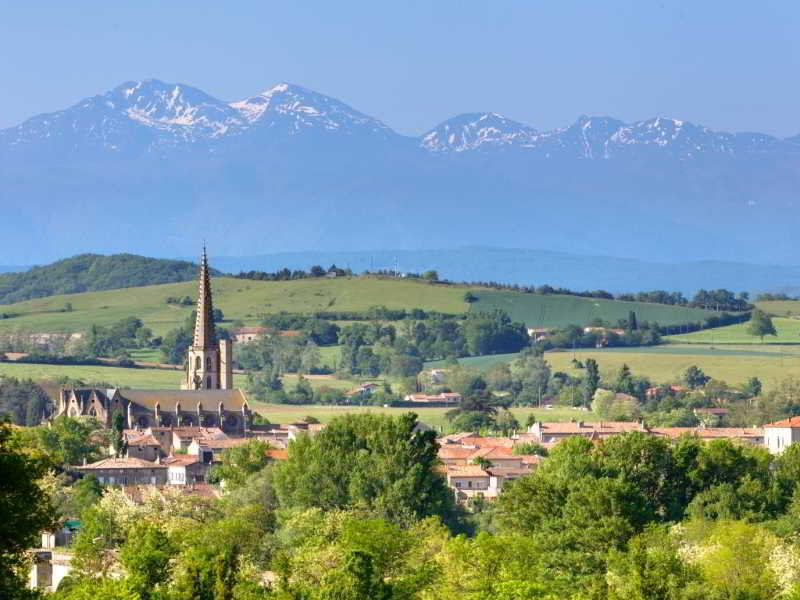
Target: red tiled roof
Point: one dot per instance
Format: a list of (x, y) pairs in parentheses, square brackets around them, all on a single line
[(488, 442), (491, 453), (446, 452), (466, 471), (181, 460), (790, 422)]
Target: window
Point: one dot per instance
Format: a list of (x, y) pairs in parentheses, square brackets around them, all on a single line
[(458, 484), (469, 483), (198, 363), (208, 383), (209, 364)]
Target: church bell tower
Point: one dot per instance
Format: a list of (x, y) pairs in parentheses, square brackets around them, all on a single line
[(209, 365)]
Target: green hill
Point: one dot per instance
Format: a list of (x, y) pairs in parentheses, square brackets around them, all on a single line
[(247, 301), (558, 311), (92, 272), (239, 299)]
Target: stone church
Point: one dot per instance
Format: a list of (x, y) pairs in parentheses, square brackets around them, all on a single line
[(206, 397)]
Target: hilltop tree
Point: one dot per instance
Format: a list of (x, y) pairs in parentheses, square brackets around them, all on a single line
[(761, 324)]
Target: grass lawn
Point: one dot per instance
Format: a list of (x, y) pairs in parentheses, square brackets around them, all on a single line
[(330, 356), (239, 299), (788, 333), (558, 311), (281, 413)]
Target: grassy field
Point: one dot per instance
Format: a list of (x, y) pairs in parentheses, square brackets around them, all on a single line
[(788, 333), (783, 308), (479, 363), (558, 311), (281, 413), (153, 379), (133, 378), (239, 299), (663, 364)]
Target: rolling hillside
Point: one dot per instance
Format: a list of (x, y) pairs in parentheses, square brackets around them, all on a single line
[(239, 299), (246, 301), (788, 333), (558, 311)]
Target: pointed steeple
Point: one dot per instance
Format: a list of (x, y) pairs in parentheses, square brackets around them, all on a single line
[(204, 334)]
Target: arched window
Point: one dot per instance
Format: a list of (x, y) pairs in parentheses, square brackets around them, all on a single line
[(209, 365), (198, 363)]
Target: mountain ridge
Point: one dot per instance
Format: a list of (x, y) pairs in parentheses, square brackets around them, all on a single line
[(153, 165)]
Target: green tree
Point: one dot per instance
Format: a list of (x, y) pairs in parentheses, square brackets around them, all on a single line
[(374, 461), (146, 556), (117, 434), (695, 378), (761, 324), (591, 380), (239, 462), (625, 384), (25, 510), (753, 387)]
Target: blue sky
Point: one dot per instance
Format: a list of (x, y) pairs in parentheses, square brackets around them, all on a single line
[(726, 64)]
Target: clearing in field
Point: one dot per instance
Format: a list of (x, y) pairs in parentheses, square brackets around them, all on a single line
[(558, 311)]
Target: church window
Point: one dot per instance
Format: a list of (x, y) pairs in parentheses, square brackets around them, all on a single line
[(198, 363), (209, 364)]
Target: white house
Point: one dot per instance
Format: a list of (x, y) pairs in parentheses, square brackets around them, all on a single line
[(778, 435)]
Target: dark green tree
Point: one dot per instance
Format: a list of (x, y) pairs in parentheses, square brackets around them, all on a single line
[(591, 380), (695, 378)]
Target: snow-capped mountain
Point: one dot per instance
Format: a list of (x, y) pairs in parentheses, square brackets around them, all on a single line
[(291, 169), (477, 131), (291, 109), (151, 115)]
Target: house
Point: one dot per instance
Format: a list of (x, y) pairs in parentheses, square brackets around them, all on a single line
[(186, 469), (498, 457), (455, 455), (244, 335), (126, 471), (781, 434), (537, 334), (142, 445), (554, 432), (469, 480), (211, 450), (449, 398)]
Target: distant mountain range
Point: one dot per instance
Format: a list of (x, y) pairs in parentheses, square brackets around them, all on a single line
[(153, 168)]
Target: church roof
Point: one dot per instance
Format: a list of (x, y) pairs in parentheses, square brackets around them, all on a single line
[(204, 334), (232, 400)]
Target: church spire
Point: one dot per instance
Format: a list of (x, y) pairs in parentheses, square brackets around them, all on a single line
[(204, 334)]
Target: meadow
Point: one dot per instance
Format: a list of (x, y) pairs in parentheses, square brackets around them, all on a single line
[(240, 300), (782, 308), (663, 364), (788, 333), (558, 311), (435, 417)]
